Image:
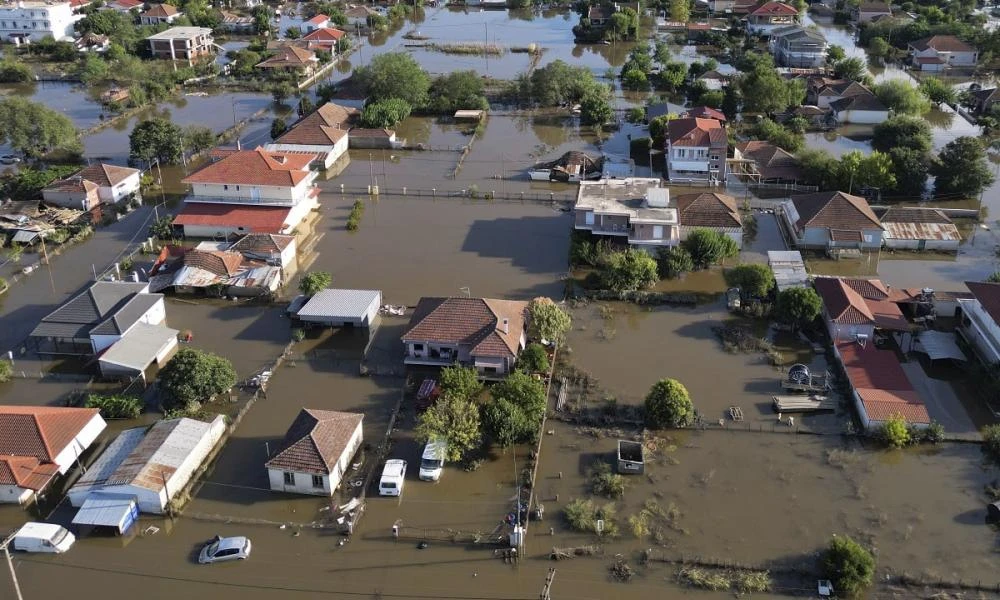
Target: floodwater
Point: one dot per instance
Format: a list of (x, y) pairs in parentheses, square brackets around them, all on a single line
[(70, 99)]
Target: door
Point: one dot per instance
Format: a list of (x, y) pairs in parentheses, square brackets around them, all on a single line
[(922, 245), (657, 232)]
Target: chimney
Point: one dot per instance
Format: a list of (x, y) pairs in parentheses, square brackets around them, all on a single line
[(506, 326)]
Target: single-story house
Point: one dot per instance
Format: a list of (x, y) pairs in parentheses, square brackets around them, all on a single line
[(38, 443), (979, 320), (866, 12), (919, 229), (357, 16), (360, 137), (235, 23), (341, 308), (942, 52), (484, 333), (713, 80), (317, 22), (218, 220), (316, 453), (152, 465), (770, 15), (983, 99), (788, 268), (160, 13), (88, 187), (879, 386), (323, 132), (859, 109), (768, 163), (291, 59), (124, 6), (324, 38), (144, 347), (709, 210), (856, 308), (831, 220)]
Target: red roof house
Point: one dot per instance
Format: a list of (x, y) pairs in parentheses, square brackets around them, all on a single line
[(881, 387)]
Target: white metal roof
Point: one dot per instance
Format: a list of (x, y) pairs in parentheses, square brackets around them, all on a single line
[(180, 33), (113, 456), (940, 344), (164, 449), (340, 304), (105, 510), (38, 530), (788, 268), (139, 347)]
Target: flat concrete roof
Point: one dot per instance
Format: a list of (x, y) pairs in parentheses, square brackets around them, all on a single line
[(626, 197)]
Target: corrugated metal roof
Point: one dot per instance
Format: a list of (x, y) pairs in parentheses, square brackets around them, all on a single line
[(106, 510), (340, 304), (788, 267), (139, 347), (110, 459), (164, 449), (945, 232)]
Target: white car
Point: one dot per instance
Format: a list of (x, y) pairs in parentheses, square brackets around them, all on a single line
[(393, 478), (9, 159), (222, 549)]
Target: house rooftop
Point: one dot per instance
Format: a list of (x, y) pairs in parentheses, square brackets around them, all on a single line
[(862, 101), (708, 209), (258, 219), (625, 197), (988, 295), (323, 34), (327, 125), (315, 441), (772, 162), (706, 112), (881, 383), (90, 309), (262, 243), (692, 131), (96, 175), (339, 303), (773, 8), (138, 348), (256, 167), (860, 302), (162, 451), (316, 20), (834, 210), (181, 33), (942, 43), (881, 7), (906, 223), (289, 55), (162, 11), (473, 322), (40, 432)]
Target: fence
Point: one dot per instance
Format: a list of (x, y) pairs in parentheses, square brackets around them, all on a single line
[(466, 194)]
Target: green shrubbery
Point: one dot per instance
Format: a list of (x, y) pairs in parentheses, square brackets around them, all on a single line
[(582, 515), (354, 219), (115, 407)]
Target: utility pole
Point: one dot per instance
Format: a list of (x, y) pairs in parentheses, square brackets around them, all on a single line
[(547, 588), (45, 261), (10, 565), (486, 48), (503, 175), (371, 174)]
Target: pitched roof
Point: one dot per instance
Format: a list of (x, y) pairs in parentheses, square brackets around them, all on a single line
[(289, 55), (864, 101), (708, 209), (984, 94), (73, 183), (128, 4), (223, 264), (256, 167), (902, 214), (163, 451), (328, 124), (773, 8), (942, 43), (881, 383), (360, 11), (315, 441), (258, 219), (262, 243), (692, 131), (880, 7), (161, 11), (82, 313), (320, 18), (834, 210), (323, 34), (26, 472), (105, 175), (128, 315), (988, 295), (41, 432), (473, 322), (598, 12), (706, 112), (773, 162), (852, 301)]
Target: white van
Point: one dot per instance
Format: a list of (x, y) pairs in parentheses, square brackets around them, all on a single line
[(43, 537), (432, 461), (393, 477)]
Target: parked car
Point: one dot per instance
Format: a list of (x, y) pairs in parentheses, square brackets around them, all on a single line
[(221, 549), (432, 461), (10, 159), (43, 537), (393, 478)]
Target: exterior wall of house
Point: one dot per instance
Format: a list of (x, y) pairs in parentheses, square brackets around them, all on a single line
[(288, 255), (304, 481), (819, 237), (181, 48), (427, 353), (610, 224), (654, 234), (862, 117), (929, 244), (824, 100), (11, 494), (80, 443), (843, 332), (158, 20), (371, 142), (77, 200), (800, 57), (115, 194), (765, 24), (37, 21), (734, 233), (252, 194), (980, 330)]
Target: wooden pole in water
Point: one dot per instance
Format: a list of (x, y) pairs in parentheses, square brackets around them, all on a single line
[(10, 565), (547, 588)]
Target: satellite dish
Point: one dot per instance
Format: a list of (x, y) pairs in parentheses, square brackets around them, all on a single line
[(799, 373)]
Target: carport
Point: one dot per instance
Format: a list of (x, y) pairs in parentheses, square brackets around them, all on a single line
[(111, 511), (342, 308), (939, 345)]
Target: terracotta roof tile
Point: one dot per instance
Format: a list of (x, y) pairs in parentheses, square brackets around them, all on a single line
[(773, 8), (256, 167), (320, 18), (106, 175), (943, 43), (289, 55), (708, 209), (323, 34), (315, 441), (26, 472), (41, 432), (692, 131), (706, 112), (262, 243), (844, 305), (772, 162), (472, 322), (162, 11), (256, 219), (882, 405), (223, 264), (834, 210)]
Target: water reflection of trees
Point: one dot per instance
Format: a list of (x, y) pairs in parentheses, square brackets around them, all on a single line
[(521, 14), (553, 131), (940, 118), (415, 130)]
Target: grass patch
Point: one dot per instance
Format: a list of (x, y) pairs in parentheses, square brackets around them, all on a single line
[(740, 582), (583, 515), (654, 520), (605, 483), (468, 48), (354, 219)]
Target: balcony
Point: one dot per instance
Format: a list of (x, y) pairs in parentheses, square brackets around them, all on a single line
[(680, 164)]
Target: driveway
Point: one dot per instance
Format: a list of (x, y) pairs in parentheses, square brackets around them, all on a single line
[(942, 403)]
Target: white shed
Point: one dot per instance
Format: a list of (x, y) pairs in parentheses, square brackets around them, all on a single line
[(316, 452), (342, 308), (142, 346), (156, 467)]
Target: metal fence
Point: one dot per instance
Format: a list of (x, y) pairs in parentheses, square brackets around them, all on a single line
[(470, 193)]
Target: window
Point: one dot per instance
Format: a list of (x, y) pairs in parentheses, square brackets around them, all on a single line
[(680, 153), (418, 347), (225, 187), (589, 218), (237, 188), (714, 157), (289, 478), (318, 481), (657, 232)]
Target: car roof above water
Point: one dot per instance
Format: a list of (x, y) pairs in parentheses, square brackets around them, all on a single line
[(394, 468), (232, 542)]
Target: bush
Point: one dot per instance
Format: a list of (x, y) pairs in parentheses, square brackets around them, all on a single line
[(115, 407), (674, 262), (163, 228), (506, 424), (354, 219), (582, 515), (605, 483), (628, 270), (991, 442), (848, 565), (314, 281), (708, 247), (668, 404), (384, 113), (534, 359), (461, 382), (547, 321), (194, 376), (797, 307), (455, 420), (754, 280), (6, 368), (894, 432)]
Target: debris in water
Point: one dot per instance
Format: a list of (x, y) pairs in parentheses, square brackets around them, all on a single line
[(282, 526), (422, 545)]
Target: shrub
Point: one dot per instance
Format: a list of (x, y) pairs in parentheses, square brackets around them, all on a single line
[(534, 359), (708, 247), (894, 432), (455, 420), (668, 405), (315, 281), (933, 434), (848, 565), (547, 321), (193, 376), (582, 515), (605, 483), (354, 219), (674, 262), (628, 270), (6, 370), (115, 407)]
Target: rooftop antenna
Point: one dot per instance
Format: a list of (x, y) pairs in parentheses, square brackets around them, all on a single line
[(466, 291)]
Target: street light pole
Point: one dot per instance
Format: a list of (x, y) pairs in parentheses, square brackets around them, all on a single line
[(10, 565)]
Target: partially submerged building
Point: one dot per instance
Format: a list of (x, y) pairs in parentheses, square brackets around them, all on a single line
[(919, 229), (879, 386), (339, 308), (316, 453), (788, 268), (636, 209)]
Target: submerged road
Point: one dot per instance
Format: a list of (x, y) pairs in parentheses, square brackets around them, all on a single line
[(36, 295)]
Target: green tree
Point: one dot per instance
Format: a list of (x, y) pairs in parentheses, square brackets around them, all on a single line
[(961, 168), (848, 565), (385, 113), (879, 48), (242, 62), (315, 281), (765, 91), (461, 382), (306, 106), (198, 138), (261, 19), (835, 54), (767, 129), (455, 420), (894, 432), (634, 79), (28, 182), (6, 369), (547, 321), (711, 99), (858, 170), (525, 392), (628, 270), (902, 131), (394, 75), (754, 280), (993, 278), (156, 139), (505, 423), (14, 71), (937, 91), (991, 442), (658, 129), (680, 11), (534, 359), (293, 33), (672, 75), (163, 228), (708, 247), (36, 130), (850, 68), (115, 407), (92, 68), (458, 90), (901, 98), (193, 376), (595, 109), (281, 91), (797, 306), (278, 127), (673, 262), (661, 52), (668, 404), (910, 168)]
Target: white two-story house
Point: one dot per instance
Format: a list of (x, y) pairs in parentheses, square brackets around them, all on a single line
[(26, 22), (796, 46), (770, 15), (696, 150), (636, 209), (942, 52), (249, 191)]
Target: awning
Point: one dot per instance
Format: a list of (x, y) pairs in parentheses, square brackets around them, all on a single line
[(107, 510), (938, 345)]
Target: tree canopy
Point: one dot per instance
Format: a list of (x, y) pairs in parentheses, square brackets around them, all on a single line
[(902, 131), (156, 139), (849, 565), (453, 419), (384, 114), (708, 247), (937, 91), (461, 382), (193, 376), (458, 90), (853, 171), (901, 98), (315, 281), (394, 75), (797, 306), (35, 130), (546, 320), (628, 270), (765, 91), (668, 405), (755, 280), (961, 168)]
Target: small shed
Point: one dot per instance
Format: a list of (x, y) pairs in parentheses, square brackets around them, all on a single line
[(342, 308), (788, 267), (469, 115), (108, 511), (143, 346), (917, 228)]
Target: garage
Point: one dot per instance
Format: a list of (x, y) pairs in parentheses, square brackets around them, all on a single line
[(341, 308)]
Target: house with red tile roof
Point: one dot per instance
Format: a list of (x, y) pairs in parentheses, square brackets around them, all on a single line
[(696, 149), (879, 385), (316, 453), (317, 22), (38, 443), (483, 333), (123, 6), (705, 112), (979, 320), (323, 38), (709, 210), (292, 59), (770, 15), (767, 163), (93, 185), (831, 221), (866, 11), (942, 52), (249, 191), (324, 131), (855, 307), (160, 13)]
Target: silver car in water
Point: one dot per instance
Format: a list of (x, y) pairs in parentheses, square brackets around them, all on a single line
[(221, 549)]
